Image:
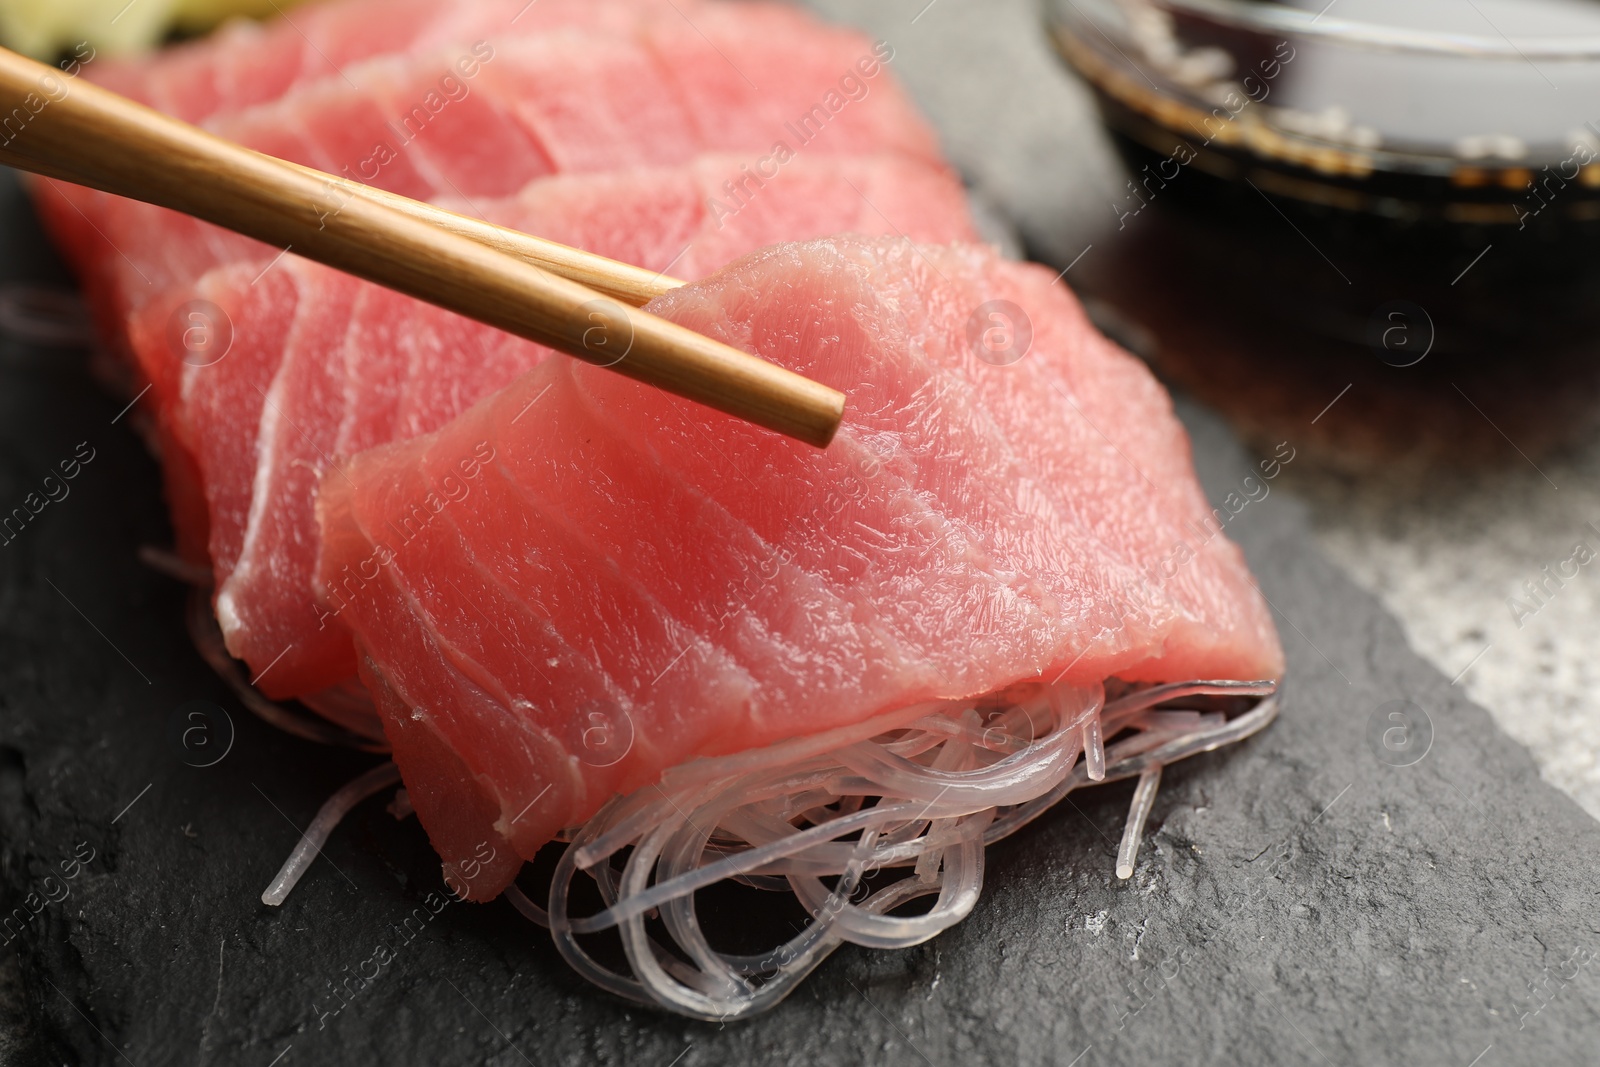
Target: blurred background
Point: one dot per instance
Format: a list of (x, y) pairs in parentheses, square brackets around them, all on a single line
[(45, 28)]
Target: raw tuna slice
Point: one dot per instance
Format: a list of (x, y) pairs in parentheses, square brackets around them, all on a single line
[(409, 123), (304, 399), (578, 549), (247, 63), (678, 218), (207, 445), (417, 125), (745, 77), (695, 219), (399, 368)]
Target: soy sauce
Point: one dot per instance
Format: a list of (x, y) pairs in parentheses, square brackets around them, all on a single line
[(1432, 155)]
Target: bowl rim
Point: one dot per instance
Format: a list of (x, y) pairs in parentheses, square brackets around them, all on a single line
[(1306, 25)]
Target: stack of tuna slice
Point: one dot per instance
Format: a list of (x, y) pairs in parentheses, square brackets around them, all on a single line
[(557, 594), (621, 126)]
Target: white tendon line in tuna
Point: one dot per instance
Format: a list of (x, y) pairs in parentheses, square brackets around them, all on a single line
[(922, 801)]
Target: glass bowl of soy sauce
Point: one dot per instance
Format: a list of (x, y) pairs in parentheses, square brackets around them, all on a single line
[(1399, 180)]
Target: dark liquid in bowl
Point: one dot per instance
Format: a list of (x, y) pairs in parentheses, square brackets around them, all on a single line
[(1265, 261), (1492, 290)]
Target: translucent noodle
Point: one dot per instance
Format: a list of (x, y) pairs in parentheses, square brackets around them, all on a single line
[(857, 832)]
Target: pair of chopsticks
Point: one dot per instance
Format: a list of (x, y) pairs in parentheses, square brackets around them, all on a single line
[(575, 302)]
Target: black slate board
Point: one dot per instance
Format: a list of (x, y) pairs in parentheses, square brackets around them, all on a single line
[(1297, 899)]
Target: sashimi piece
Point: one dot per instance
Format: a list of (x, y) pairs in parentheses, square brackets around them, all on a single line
[(420, 126), (973, 526), (718, 211), (299, 414), (461, 139), (769, 74), (549, 85), (693, 220), (366, 134), (480, 120), (64, 211), (215, 396), (247, 63), (168, 250), (586, 100), (667, 219), (661, 218), (399, 368), (220, 400), (682, 91), (245, 425)]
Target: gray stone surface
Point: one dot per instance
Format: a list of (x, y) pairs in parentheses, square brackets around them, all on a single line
[(1297, 900), (1452, 557)]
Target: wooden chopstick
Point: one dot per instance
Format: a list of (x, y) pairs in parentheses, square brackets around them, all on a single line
[(623, 281), (82, 133)]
